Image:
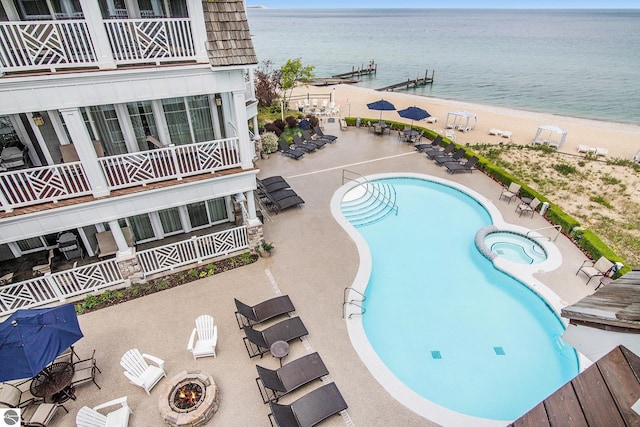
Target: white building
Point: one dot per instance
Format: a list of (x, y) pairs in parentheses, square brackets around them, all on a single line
[(120, 118)]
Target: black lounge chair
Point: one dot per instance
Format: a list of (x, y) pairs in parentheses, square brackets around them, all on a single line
[(310, 409), (433, 144), (258, 343), (320, 134), (263, 311), (288, 151), (457, 167), (319, 142), (435, 152), (272, 186), (299, 144), (277, 205), (455, 157), (273, 179), (275, 384)]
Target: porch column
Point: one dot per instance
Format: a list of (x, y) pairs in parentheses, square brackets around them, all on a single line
[(198, 30), (121, 242), (98, 32), (251, 206), (87, 154), (244, 142)]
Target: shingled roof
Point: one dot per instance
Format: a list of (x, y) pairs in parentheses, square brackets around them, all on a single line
[(228, 37)]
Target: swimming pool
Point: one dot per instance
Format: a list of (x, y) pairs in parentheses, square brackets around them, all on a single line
[(443, 323)]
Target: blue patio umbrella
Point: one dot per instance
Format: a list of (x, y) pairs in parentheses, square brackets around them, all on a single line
[(381, 106), (414, 113), (31, 339)]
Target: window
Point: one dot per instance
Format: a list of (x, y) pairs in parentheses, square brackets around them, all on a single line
[(144, 124), (109, 131), (170, 220), (203, 214), (33, 10), (67, 9), (142, 228), (188, 119), (113, 9)]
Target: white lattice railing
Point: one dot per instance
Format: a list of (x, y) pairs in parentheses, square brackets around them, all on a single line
[(128, 170), (43, 184), (196, 249), (149, 40), (58, 286), (45, 45)]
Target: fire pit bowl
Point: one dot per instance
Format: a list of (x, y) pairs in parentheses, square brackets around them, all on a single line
[(188, 399)]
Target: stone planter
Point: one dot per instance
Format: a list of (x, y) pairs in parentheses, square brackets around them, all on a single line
[(265, 254), (264, 155)]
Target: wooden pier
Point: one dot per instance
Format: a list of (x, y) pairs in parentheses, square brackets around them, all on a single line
[(371, 68), (420, 81)]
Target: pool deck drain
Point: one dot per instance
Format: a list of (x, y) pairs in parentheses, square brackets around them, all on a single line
[(436, 354), (499, 351)]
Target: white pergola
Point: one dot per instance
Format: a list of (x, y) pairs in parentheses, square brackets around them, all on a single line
[(461, 120), (551, 135)]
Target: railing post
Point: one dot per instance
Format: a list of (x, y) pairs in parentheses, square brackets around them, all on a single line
[(176, 163), (93, 18), (198, 29), (196, 248)]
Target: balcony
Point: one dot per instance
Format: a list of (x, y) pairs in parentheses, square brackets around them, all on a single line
[(53, 45), (27, 187)]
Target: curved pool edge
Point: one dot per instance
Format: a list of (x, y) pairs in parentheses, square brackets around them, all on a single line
[(398, 390)]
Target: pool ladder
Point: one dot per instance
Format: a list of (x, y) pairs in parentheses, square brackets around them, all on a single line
[(558, 228), (356, 302)]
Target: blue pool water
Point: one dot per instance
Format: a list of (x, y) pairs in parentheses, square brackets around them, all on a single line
[(448, 324)]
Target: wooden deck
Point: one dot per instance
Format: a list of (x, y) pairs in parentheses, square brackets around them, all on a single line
[(615, 306), (602, 395)]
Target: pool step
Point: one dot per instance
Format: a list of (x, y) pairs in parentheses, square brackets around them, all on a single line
[(373, 201)]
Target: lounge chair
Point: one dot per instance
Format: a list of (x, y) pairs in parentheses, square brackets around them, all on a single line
[(310, 409), (601, 151), (273, 186), (453, 167), (273, 384), (528, 207), (433, 144), (273, 179), (455, 157), (511, 192), (258, 343), (308, 138), (39, 414), (435, 152), (299, 144), (282, 203), (288, 151), (251, 315), (320, 134), (601, 267)]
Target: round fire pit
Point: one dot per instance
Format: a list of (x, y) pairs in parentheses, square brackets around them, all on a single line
[(188, 399)]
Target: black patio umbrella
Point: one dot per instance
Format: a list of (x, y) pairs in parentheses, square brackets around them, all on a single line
[(381, 106), (414, 113), (31, 339)]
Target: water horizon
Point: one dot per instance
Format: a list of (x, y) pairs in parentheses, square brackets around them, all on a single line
[(578, 63)]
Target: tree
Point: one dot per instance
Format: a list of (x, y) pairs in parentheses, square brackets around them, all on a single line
[(293, 72), (267, 83)]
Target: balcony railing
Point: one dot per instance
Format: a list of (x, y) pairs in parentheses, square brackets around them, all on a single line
[(27, 187), (38, 45), (128, 170), (144, 40)]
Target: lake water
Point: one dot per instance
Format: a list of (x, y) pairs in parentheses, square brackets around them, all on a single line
[(582, 63)]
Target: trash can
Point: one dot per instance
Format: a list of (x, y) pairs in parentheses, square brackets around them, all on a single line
[(544, 208)]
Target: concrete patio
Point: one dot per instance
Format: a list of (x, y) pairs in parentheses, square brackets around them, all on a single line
[(314, 260)]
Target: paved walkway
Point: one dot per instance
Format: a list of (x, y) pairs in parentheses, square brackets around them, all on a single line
[(313, 261)]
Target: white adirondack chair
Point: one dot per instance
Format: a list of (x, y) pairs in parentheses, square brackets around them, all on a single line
[(139, 372), (204, 337), (90, 417)]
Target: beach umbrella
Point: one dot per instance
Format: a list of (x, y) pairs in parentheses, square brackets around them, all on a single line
[(31, 339), (414, 113), (381, 106)]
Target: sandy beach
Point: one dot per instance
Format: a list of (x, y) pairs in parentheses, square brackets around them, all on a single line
[(620, 139)]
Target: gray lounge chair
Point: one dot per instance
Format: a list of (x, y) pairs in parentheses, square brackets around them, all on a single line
[(319, 142), (310, 409), (282, 203), (251, 315), (288, 151), (320, 134), (273, 179), (273, 384), (299, 144), (455, 157), (272, 186), (433, 144), (436, 152), (258, 343), (457, 167)]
